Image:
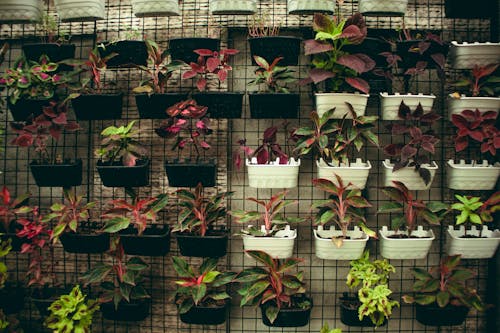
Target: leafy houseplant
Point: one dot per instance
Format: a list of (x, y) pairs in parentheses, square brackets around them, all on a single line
[(122, 159), (200, 296), (413, 243), (273, 236), (10, 208), (467, 55), (189, 125), (130, 50), (372, 299), (273, 100), (441, 294), (279, 293), (326, 329), (196, 232)]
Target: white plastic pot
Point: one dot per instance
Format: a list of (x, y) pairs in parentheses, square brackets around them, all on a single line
[(233, 7), (279, 246), (273, 175), (80, 10), (304, 7), (327, 101), (152, 8), (466, 55), (356, 173), (351, 249), (20, 11), (457, 105), (472, 248), (405, 248), (472, 176), (383, 7), (408, 176), (390, 103)]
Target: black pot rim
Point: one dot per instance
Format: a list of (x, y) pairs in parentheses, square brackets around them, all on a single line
[(193, 38), (190, 162), (215, 234), (76, 162), (132, 232), (275, 37), (145, 162)]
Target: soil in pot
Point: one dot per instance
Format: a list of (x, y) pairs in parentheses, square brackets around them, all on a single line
[(154, 106), (272, 47), (55, 52), (154, 242), (189, 174), (210, 314), (66, 174), (212, 245), (182, 48), (274, 105), (25, 109), (433, 315), (12, 298), (136, 310), (403, 236), (85, 242), (225, 105), (349, 313), (98, 106), (290, 317), (131, 53), (118, 175), (44, 297)]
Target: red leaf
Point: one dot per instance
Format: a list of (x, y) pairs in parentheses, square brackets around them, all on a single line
[(212, 64), (204, 52), (358, 83), (313, 46), (262, 156), (201, 84)]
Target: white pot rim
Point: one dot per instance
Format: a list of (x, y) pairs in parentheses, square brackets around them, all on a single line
[(263, 238), (292, 163), (432, 166), (321, 239), (464, 97), (473, 165), (341, 94), (409, 95), (474, 44), (357, 165), (385, 233)]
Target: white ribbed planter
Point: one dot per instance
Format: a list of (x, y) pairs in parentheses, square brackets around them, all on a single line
[(351, 249), (383, 7), (408, 176), (472, 248), (273, 175), (233, 7), (304, 7), (80, 10), (356, 173), (279, 246), (405, 248), (457, 105), (327, 101), (466, 55), (472, 176), (390, 103), (153, 8), (20, 11)]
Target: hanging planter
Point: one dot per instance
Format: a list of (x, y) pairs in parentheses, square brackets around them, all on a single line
[(135, 310), (390, 104), (119, 175), (405, 248), (154, 106), (66, 174), (273, 175), (349, 313), (467, 55), (153, 8), (306, 7), (44, 297), (189, 174), (206, 315), (272, 47), (20, 11), (352, 248), (221, 105), (356, 173), (280, 245), (182, 48), (274, 105), (482, 9), (98, 106), (383, 7), (212, 245), (408, 176), (289, 317), (472, 176), (434, 315), (12, 298), (130, 53), (233, 7), (154, 241), (473, 245), (328, 101), (483, 104), (56, 52), (80, 11), (85, 242), (25, 109)]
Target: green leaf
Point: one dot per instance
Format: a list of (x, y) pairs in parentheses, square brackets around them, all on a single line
[(272, 312), (182, 267), (255, 290), (210, 276), (116, 224), (261, 257), (442, 298)]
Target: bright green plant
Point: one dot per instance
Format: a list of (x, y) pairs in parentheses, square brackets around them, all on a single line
[(5, 247), (474, 211), (72, 313), (205, 287), (374, 292), (271, 76), (326, 329)]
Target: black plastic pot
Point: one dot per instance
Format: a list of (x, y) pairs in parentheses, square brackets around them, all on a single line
[(12, 298), (154, 106), (464, 9), (98, 106), (274, 105), (85, 242), (25, 109), (349, 313), (66, 174), (272, 47), (288, 317), (182, 48), (212, 245), (136, 310), (129, 53), (55, 52), (226, 105), (189, 174), (44, 297), (433, 315), (206, 315), (117, 175), (410, 59), (154, 242)]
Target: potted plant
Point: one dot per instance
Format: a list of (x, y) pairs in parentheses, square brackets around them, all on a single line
[(342, 208), (210, 67), (75, 10), (305, 7), (442, 295), (123, 295), (151, 96), (130, 51), (51, 168), (413, 242), (20, 11), (462, 9), (473, 243), (477, 129), (10, 208), (190, 126), (155, 8), (337, 69), (274, 235), (200, 294), (279, 293), (273, 100), (383, 7), (411, 163), (326, 329), (372, 305), (268, 166), (71, 216), (183, 48), (467, 55), (332, 143), (228, 7), (130, 221), (122, 159), (72, 312), (196, 232)]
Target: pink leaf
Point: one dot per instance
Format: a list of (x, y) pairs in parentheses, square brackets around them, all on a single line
[(212, 64), (313, 46), (204, 52), (201, 84), (358, 83)]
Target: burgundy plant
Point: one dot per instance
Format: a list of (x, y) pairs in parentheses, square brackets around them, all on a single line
[(480, 80), (10, 208)]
